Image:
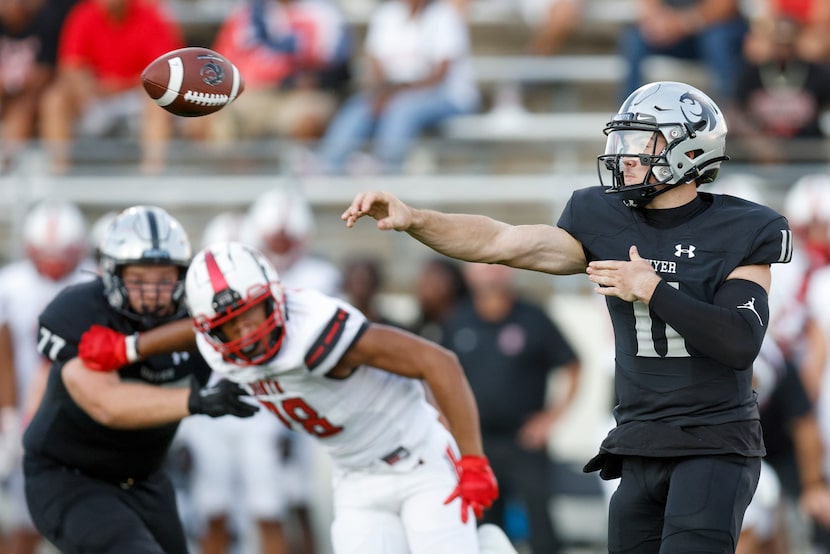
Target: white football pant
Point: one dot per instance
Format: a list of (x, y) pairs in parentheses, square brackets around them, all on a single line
[(399, 508)]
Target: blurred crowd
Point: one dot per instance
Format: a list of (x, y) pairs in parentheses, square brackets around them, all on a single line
[(355, 98), (357, 105)]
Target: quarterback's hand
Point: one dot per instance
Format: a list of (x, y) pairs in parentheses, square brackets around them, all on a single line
[(477, 487), (104, 349), (630, 281), (223, 398), (389, 212)]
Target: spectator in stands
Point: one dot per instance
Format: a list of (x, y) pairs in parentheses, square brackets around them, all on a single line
[(813, 16), (439, 289), (294, 56), (104, 47), (707, 30), (508, 348), (362, 281), (418, 74), (54, 242), (552, 21), (29, 31), (780, 94)]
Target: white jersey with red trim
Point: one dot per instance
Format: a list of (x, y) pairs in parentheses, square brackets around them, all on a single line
[(372, 417), (24, 293)]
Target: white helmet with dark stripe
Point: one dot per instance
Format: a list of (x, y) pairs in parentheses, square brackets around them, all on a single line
[(143, 235)]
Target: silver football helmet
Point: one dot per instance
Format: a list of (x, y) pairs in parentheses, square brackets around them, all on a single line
[(694, 130), (225, 280), (143, 235)]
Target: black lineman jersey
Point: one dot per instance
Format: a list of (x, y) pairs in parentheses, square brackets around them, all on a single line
[(672, 399), (61, 432)]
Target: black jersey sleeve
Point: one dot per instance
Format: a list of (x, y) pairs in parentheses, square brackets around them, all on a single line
[(772, 244), (67, 317), (591, 214)]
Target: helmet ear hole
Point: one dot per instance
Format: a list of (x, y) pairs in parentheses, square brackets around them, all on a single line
[(662, 173)]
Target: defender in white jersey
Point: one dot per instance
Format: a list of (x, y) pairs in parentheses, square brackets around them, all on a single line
[(315, 362)]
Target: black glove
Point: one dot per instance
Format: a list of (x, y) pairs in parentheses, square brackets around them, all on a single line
[(218, 400)]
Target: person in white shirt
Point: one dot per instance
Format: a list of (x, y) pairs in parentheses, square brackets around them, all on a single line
[(419, 73)]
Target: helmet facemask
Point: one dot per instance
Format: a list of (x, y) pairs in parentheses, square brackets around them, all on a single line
[(146, 315), (255, 347)]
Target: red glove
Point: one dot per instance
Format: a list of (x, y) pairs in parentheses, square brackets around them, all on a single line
[(477, 486), (103, 349)]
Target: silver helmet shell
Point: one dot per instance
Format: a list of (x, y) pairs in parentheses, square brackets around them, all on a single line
[(692, 125), (142, 235)]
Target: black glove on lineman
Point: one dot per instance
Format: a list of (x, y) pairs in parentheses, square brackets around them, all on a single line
[(218, 400)]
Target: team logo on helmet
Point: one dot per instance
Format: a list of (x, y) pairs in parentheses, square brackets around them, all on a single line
[(212, 74), (695, 108)]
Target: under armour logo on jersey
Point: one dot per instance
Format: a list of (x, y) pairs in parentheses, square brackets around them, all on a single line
[(751, 306), (679, 250)]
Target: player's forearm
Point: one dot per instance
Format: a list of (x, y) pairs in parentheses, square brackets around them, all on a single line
[(177, 336), (137, 406), (730, 330), (464, 236), (456, 401), (122, 405)]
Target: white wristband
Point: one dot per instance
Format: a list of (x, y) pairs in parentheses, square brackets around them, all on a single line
[(131, 344)]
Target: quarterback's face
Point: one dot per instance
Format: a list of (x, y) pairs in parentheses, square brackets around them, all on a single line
[(150, 288), (634, 147)]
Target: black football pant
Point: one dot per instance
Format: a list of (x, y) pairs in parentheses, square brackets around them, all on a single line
[(681, 505), (82, 515)]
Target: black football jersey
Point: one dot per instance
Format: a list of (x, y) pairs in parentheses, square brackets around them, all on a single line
[(61, 431), (666, 388)]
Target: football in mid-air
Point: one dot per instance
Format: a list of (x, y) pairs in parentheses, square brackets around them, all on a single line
[(192, 81)]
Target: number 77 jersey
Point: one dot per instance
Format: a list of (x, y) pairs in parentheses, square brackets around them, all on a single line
[(359, 419)]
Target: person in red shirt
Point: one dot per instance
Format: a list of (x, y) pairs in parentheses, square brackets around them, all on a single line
[(104, 47), (812, 16)]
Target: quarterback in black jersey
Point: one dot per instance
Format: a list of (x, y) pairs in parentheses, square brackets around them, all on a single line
[(95, 447), (686, 275)]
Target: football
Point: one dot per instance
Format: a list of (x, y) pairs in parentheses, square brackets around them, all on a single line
[(192, 81)]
